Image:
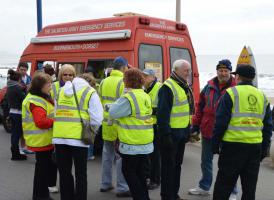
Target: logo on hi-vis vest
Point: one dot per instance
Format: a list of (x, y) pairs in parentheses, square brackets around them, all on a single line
[(252, 100)]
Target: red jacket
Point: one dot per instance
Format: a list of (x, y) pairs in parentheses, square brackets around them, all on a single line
[(41, 121), (208, 101)]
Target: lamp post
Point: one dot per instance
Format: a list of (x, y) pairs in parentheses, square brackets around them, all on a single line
[(178, 10), (39, 15)]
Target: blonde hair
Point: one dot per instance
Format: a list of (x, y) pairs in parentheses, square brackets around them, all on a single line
[(66, 67), (89, 78)]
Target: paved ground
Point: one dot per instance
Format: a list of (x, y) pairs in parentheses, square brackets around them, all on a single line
[(16, 177)]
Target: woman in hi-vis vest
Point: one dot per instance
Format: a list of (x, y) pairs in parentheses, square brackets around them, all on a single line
[(66, 73), (135, 132), (37, 119)]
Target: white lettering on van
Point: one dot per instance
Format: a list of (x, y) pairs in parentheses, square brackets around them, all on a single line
[(155, 36), (173, 38), (76, 47), (162, 25), (115, 24), (83, 28), (91, 27), (163, 37)]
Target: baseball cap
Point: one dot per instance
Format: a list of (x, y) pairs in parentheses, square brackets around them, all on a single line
[(225, 63), (119, 62), (246, 71), (149, 72)]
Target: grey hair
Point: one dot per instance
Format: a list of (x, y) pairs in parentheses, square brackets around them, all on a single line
[(180, 63)]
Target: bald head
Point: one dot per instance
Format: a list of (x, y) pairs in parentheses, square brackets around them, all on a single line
[(182, 68)]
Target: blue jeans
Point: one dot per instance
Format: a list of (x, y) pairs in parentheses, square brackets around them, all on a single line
[(207, 166), (108, 157), (17, 130)]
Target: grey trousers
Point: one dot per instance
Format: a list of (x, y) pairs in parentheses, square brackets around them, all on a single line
[(109, 156)]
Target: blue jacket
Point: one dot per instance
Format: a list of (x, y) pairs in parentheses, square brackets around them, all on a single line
[(223, 116)]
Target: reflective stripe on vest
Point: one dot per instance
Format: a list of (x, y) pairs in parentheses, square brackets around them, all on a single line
[(137, 129), (154, 98), (246, 122), (110, 89), (67, 120), (179, 117), (34, 136), (55, 89)]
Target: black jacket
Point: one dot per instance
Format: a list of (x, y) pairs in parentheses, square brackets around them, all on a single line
[(15, 95), (223, 117), (165, 103)]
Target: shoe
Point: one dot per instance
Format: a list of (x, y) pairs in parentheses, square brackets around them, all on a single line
[(26, 151), (152, 186), (53, 189), (16, 156), (198, 191), (233, 197), (123, 194), (107, 189)]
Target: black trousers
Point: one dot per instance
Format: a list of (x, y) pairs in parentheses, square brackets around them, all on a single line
[(45, 174), (153, 165), (171, 161), (67, 155), (132, 168), (237, 160)]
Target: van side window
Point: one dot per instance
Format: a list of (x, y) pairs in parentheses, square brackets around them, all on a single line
[(79, 67), (180, 53), (97, 67), (151, 57), (41, 64)]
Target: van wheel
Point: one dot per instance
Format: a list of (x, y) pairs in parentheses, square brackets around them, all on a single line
[(7, 124)]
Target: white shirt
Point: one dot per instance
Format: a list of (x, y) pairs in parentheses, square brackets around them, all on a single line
[(95, 111)]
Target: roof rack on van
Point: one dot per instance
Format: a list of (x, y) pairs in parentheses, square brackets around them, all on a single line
[(127, 14)]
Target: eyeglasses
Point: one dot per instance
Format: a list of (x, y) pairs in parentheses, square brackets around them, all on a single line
[(67, 74)]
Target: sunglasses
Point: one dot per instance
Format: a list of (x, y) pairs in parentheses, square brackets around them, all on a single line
[(67, 74)]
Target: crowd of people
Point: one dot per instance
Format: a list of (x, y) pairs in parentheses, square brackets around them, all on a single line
[(145, 126)]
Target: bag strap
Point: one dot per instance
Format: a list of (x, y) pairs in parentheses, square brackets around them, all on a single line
[(77, 102)]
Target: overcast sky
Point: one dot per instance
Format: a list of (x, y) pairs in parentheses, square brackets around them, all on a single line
[(216, 26)]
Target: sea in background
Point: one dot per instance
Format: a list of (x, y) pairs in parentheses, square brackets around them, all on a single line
[(265, 68), (207, 68)]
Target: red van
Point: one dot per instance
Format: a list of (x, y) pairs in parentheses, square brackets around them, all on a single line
[(146, 42)]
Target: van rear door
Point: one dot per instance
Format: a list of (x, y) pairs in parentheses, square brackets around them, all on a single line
[(180, 47), (150, 52)]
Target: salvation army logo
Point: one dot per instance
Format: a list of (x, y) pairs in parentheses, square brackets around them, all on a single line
[(252, 100)]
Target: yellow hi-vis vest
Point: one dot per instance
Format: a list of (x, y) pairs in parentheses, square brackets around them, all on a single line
[(34, 136), (248, 111), (110, 90), (54, 90), (179, 117), (137, 129), (154, 98), (67, 122)]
